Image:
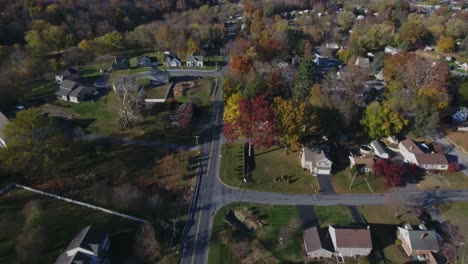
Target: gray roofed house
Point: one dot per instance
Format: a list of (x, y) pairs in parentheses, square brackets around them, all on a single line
[(317, 243), (80, 93), (90, 245), (316, 161), (158, 77), (120, 63), (418, 242), (171, 60), (3, 122), (194, 61), (65, 88), (362, 62), (379, 149), (147, 61)]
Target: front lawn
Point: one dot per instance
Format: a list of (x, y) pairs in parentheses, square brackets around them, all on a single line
[(379, 214), (40, 90), (444, 180), (460, 139), (37, 229), (342, 181), (157, 92), (269, 165), (457, 214), (202, 93), (333, 215), (280, 223)]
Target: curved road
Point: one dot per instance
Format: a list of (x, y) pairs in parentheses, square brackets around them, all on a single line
[(211, 194)]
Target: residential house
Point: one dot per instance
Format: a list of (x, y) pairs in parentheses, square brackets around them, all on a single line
[(80, 93), (351, 241), (412, 153), (65, 88), (91, 245), (364, 164), (391, 50), (332, 45), (379, 150), (316, 161), (195, 61), (317, 243), (3, 122), (460, 116), (158, 77), (362, 62), (120, 63), (71, 73), (146, 61), (418, 243), (171, 61)]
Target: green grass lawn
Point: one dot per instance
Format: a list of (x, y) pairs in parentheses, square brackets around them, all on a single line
[(379, 214), (333, 215), (202, 92), (456, 180), (102, 119), (157, 92), (342, 180), (40, 89), (269, 164), (278, 218), (91, 70), (456, 213), (52, 227)]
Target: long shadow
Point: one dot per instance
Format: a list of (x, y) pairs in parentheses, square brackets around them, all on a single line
[(265, 152)]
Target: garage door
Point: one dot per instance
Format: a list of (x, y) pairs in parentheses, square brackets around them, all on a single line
[(324, 172)]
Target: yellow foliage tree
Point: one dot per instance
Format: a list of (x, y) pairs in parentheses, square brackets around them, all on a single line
[(291, 124), (446, 44)]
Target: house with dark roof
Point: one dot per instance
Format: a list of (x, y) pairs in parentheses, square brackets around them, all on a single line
[(418, 243), (412, 153), (157, 77), (3, 122), (71, 73), (195, 61), (379, 149), (147, 61), (364, 164), (317, 243), (351, 241), (316, 161), (120, 63), (65, 88), (80, 93), (90, 245)]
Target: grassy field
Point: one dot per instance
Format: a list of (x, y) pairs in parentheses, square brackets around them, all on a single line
[(456, 213), (342, 180), (202, 92), (100, 117), (333, 215), (39, 228), (268, 165), (281, 221), (456, 180), (157, 92), (378, 214), (460, 139)]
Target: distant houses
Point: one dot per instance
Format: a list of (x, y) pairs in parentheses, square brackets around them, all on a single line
[(72, 91), (316, 161), (391, 50), (3, 122), (337, 241), (194, 61), (362, 62), (147, 61), (157, 77), (171, 60), (90, 245), (120, 63)]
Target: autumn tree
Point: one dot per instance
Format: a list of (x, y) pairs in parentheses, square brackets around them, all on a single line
[(34, 141), (345, 19), (129, 102), (381, 121), (425, 120), (393, 174), (446, 44), (256, 123), (240, 64), (110, 42), (193, 47), (231, 111), (291, 123)]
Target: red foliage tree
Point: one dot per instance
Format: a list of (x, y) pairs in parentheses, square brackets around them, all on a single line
[(271, 47), (453, 167), (256, 123), (240, 64), (392, 173)]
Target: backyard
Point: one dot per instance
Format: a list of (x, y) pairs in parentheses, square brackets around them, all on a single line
[(333, 215), (274, 171), (443, 180), (279, 223), (39, 228)]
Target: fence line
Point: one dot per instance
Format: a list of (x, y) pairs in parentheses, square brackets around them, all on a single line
[(81, 203)]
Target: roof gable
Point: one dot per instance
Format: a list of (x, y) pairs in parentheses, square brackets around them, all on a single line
[(352, 237)]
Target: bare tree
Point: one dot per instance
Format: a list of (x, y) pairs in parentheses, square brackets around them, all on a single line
[(146, 247), (130, 102)]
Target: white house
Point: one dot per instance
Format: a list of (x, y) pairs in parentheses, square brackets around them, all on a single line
[(91, 245), (351, 241), (391, 50), (195, 61), (3, 122), (316, 161), (379, 149), (317, 243), (412, 153), (362, 62), (171, 61)]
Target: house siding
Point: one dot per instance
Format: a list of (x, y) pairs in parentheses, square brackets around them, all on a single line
[(350, 252)]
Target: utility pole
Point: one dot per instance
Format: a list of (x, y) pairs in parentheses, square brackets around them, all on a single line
[(196, 142), (174, 229)]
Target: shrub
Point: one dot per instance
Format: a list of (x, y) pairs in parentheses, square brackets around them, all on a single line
[(453, 167), (398, 242)]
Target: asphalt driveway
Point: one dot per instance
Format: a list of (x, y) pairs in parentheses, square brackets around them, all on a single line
[(326, 185)]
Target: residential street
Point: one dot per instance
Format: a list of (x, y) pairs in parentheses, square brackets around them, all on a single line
[(211, 194)]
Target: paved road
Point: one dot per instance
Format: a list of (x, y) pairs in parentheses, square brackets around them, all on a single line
[(211, 194), (176, 72)]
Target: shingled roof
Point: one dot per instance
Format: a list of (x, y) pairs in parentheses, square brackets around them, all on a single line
[(352, 237)]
